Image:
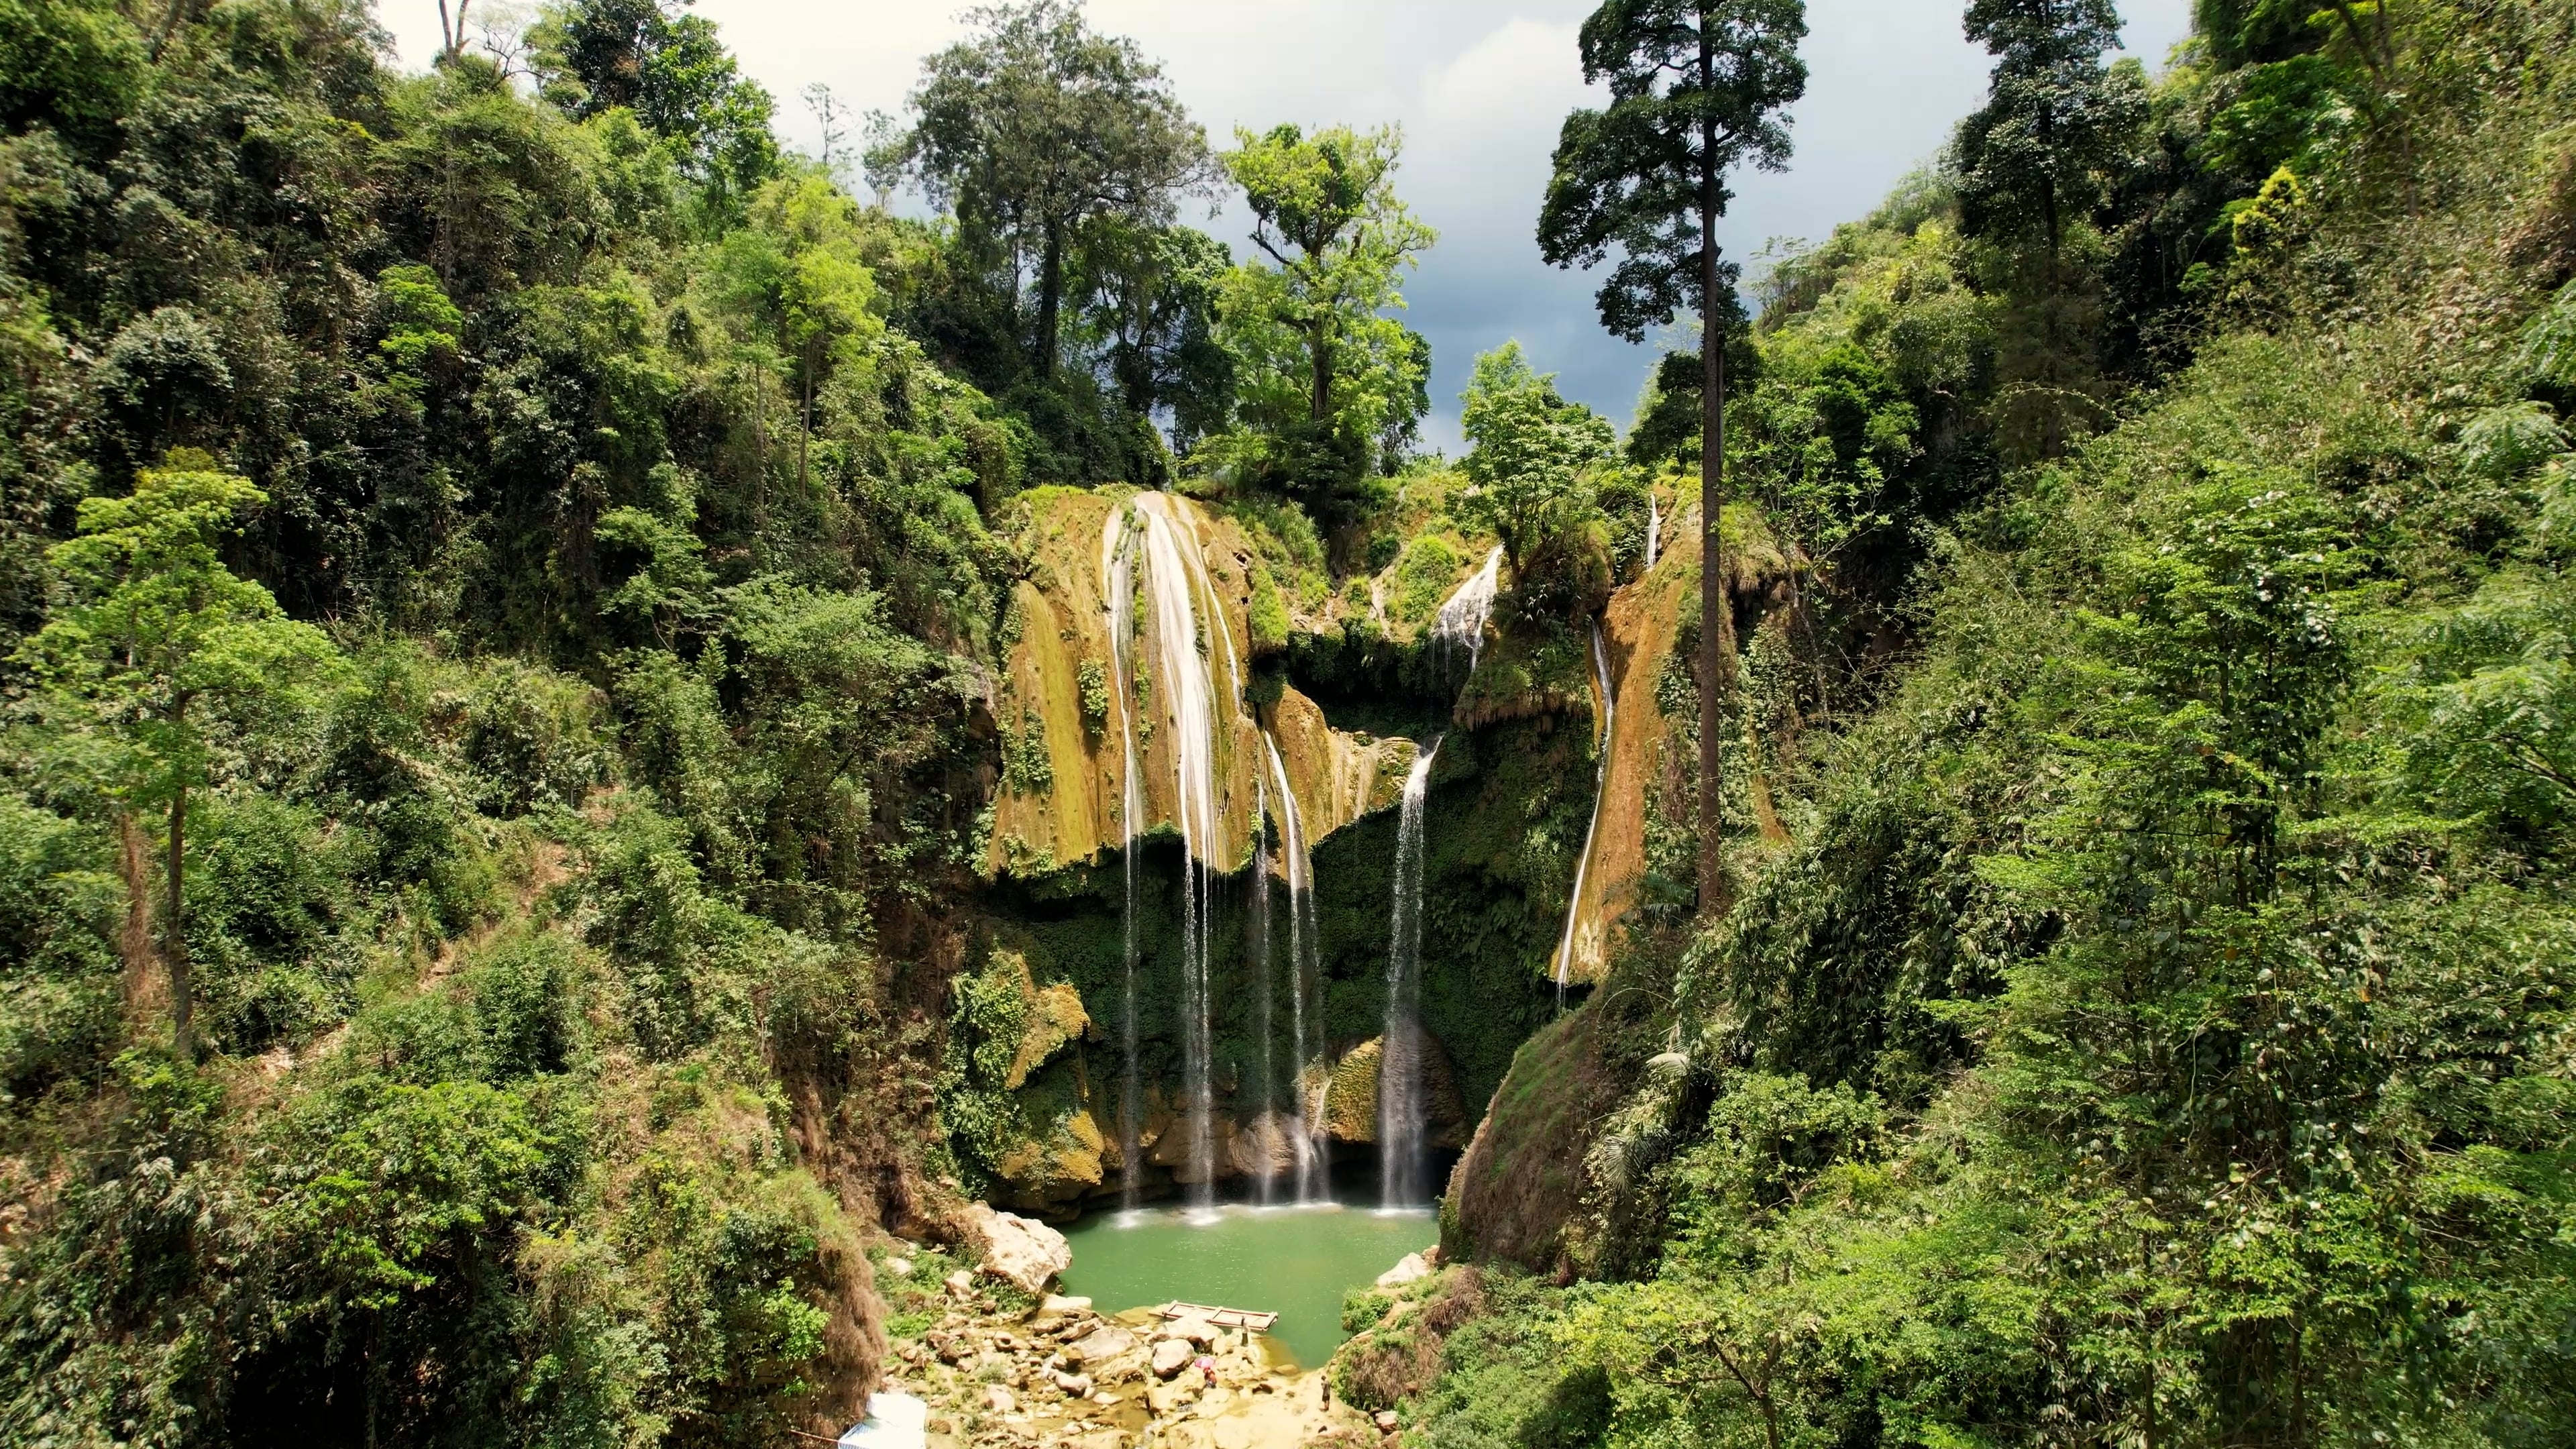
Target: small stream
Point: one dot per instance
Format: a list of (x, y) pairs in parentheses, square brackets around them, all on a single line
[(1296, 1262)]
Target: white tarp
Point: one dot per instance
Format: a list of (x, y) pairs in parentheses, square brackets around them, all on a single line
[(894, 1421)]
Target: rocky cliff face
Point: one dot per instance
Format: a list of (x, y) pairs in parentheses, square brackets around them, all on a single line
[(1086, 677), (1065, 723)]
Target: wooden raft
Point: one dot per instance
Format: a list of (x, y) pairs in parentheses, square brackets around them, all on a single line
[(1251, 1318)]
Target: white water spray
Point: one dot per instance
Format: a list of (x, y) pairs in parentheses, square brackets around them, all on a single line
[(1654, 528), (1461, 620), (1400, 1125), (1600, 789)]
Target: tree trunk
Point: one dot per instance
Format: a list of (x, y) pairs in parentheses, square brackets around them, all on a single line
[(174, 938), (169, 26), (1320, 354), (1050, 289), (134, 942), (1716, 615)]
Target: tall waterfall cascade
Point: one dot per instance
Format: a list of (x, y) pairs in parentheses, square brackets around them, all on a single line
[(1654, 528), (1305, 970), (1600, 781), (1403, 1171), (1118, 586), (1460, 624), (1189, 638)]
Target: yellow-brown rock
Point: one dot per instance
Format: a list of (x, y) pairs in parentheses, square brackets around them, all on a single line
[(1071, 810)]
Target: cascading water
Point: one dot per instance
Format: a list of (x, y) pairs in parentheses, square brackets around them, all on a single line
[(1314, 1182), (1267, 1169), (1600, 783), (1654, 528), (1118, 583), (1176, 584), (1461, 620), (1399, 1083)]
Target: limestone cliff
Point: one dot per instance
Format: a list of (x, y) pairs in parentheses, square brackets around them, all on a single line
[(1066, 724)]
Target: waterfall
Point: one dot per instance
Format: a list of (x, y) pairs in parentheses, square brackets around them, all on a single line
[(1118, 582), (1461, 620), (1314, 1182), (1600, 789), (1654, 527), (1176, 584), (1261, 972), (1403, 1181)]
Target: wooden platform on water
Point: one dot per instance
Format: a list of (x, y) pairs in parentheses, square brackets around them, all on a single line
[(1251, 1318)]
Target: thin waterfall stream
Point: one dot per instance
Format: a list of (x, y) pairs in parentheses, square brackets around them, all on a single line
[(1400, 1129), (1267, 1169), (1600, 784), (1314, 1170)]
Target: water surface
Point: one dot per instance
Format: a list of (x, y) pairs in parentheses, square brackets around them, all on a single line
[(1293, 1261)]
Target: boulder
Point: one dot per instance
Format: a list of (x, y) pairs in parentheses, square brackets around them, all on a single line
[(1412, 1270), (959, 1283), (1075, 1386), (1100, 1346), (900, 1267), (1173, 1355), (1025, 1253), (1057, 1306), (1386, 1421), (998, 1399), (1266, 1147), (1196, 1332)]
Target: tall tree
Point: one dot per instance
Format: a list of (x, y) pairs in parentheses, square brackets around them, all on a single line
[(156, 644), (667, 66), (1697, 89), (2055, 119), (1326, 214), (1036, 126)]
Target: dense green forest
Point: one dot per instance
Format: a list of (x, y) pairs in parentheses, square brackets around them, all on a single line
[(504, 570)]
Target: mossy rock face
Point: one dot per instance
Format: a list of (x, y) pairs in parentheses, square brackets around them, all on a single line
[(1055, 1017), (1052, 1174), (1350, 1102), (1505, 820), (1521, 1178)]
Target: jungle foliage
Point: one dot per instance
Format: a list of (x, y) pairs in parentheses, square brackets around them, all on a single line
[(2153, 1028)]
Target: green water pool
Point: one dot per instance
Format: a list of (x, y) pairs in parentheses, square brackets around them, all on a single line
[(1293, 1261)]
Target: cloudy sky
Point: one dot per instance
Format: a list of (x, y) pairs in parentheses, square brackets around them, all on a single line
[(1479, 86)]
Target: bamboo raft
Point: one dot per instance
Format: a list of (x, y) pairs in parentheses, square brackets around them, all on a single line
[(1247, 1318)]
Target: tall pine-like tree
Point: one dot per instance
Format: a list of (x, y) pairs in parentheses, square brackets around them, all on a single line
[(2054, 120), (1697, 90)]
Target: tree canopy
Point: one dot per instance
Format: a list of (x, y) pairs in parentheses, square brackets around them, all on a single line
[(1331, 384), (1037, 126)]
